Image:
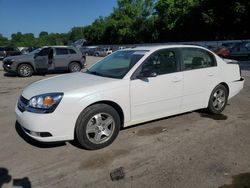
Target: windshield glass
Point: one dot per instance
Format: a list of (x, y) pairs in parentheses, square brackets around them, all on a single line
[(117, 64), (35, 51)]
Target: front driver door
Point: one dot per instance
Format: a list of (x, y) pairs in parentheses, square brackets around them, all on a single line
[(155, 97), (41, 60)]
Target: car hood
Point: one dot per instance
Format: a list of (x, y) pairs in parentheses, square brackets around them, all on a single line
[(20, 57), (69, 83)]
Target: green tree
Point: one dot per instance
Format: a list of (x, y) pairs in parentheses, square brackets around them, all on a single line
[(76, 33), (3, 40)]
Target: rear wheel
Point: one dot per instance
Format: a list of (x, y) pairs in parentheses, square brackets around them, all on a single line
[(218, 99), (74, 67), (24, 70), (97, 126)]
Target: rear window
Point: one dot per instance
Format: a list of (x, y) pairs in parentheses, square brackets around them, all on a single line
[(61, 51), (194, 58)]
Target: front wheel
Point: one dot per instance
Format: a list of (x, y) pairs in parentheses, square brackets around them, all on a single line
[(97, 126), (218, 99), (24, 70)]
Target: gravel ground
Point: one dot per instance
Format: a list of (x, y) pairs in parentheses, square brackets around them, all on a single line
[(189, 150)]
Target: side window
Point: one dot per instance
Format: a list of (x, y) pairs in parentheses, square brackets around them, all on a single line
[(44, 52), (71, 51), (162, 62), (197, 58), (61, 51)]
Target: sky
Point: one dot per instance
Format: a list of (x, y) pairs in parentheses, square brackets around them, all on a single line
[(34, 16)]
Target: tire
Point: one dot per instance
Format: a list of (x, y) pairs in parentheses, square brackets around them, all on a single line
[(97, 126), (74, 67), (24, 70), (97, 54), (218, 99)]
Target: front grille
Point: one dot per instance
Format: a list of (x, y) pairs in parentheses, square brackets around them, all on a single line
[(22, 103)]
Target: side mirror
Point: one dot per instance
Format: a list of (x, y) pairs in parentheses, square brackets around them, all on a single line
[(36, 54), (146, 73)]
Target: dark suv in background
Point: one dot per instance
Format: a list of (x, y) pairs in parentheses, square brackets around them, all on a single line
[(8, 51)]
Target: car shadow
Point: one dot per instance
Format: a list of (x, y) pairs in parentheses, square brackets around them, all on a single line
[(7, 74), (33, 142), (205, 114)]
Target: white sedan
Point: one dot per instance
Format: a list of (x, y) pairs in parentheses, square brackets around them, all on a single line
[(128, 87)]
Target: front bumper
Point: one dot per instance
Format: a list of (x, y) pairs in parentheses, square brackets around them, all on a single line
[(51, 127), (8, 67)]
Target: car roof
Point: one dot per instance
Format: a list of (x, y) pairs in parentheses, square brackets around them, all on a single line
[(158, 47)]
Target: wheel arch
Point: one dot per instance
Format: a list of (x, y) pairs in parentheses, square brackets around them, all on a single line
[(226, 86), (113, 104)]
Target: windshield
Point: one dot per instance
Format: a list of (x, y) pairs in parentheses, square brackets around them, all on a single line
[(117, 64)]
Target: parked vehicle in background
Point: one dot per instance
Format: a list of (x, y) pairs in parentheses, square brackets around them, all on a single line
[(6, 51), (103, 52), (128, 87), (89, 51), (46, 59), (241, 51), (230, 45), (222, 51)]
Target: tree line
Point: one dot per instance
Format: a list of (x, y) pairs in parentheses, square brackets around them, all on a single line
[(148, 21)]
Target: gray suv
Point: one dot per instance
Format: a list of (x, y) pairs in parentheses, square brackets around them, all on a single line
[(44, 60)]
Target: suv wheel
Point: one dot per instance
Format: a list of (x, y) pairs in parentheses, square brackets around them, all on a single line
[(24, 70), (97, 126), (74, 67)]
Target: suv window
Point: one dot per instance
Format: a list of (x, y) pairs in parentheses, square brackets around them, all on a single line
[(197, 58), (71, 51), (162, 62), (9, 49), (44, 52), (61, 51)]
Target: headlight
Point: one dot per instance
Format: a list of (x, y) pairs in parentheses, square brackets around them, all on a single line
[(45, 103)]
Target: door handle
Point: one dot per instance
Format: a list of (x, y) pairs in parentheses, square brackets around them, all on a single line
[(176, 79), (210, 74)]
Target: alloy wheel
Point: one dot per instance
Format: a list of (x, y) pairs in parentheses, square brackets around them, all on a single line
[(100, 128), (219, 99)]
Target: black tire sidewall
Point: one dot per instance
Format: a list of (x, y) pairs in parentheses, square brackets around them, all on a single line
[(211, 108), (84, 117), (19, 67)]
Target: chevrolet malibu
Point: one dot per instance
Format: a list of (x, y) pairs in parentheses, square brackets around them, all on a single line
[(128, 87)]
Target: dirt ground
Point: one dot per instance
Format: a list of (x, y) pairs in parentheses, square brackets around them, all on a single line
[(189, 150)]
